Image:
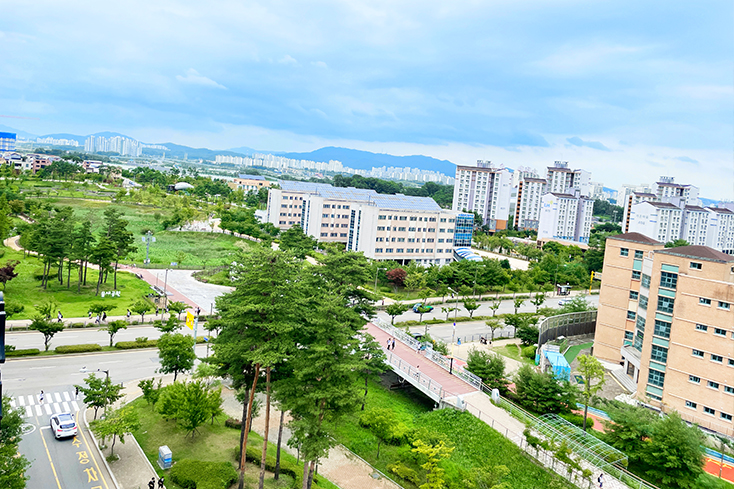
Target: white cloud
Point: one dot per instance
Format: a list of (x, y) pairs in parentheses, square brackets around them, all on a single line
[(288, 60), (194, 78), (319, 64)]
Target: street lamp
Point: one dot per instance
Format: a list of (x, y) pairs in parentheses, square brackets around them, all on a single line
[(165, 286), (456, 310), (376, 272)]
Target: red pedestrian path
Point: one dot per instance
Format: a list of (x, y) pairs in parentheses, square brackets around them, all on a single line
[(450, 383), (173, 294)]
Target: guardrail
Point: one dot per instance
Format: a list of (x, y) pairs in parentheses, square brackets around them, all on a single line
[(422, 382), (573, 323)]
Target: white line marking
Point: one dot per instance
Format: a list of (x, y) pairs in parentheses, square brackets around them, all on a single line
[(38, 410), (75, 405), (42, 368), (58, 396), (65, 406), (28, 411), (67, 397), (21, 400), (31, 401), (107, 363), (45, 428), (12, 403), (47, 408), (57, 408)]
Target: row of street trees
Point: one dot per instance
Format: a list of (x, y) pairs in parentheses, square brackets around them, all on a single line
[(298, 329)]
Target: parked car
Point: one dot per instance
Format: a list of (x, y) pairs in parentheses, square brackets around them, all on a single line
[(416, 306), (63, 424)]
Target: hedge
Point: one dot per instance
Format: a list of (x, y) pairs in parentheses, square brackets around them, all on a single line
[(129, 345), (22, 353), (578, 420), (78, 348), (194, 474)]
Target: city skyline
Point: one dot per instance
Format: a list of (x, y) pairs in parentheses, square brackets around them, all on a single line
[(516, 83)]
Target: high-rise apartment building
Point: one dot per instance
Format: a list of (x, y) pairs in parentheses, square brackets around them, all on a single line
[(667, 315), (485, 190), (720, 233), (677, 194), (383, 227), (561, 179), (565, 217), (527, 203), (631, 199), (659, 220), (695, 225)]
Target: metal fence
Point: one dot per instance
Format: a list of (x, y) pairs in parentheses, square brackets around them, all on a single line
[(571, 324), (422, 382)]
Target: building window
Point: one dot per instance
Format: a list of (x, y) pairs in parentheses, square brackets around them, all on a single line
[(624, 252), (656, 378), (720, 332), (634, 295), (708, 410), (697, 353), (324, 234), (631, 315), (388, 250), (411, 230), (645, 281), (704, 302), (665, 304), (382, 218), (662, 328), (378, 250), (635, 275), (638, 254), (717, 358), (399, 250), (729, 389), (691, 405), (731, 362), (640, 323), (695, 266), (724, 305), (659, 354), (668, 280), (643, 302), (726, 417), (694, 379), (701, 327), (712, 384), (628, 335), (403, 218)]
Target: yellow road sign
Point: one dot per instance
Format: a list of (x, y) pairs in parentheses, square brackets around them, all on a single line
[(189, 320)]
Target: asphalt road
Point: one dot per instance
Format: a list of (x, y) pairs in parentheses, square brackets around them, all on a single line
[(70, 463)]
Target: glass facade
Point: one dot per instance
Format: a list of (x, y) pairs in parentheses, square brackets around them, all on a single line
[(463, 229)]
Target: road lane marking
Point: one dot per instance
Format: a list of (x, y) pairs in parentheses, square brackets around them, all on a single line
[(38, 410), (67, 397), (75, 405), (90, 451), (47, 408), (28, 411), (31, 401), (57, 408), (65, 406), (50, 461), (12, 403), (58, 396), (107, 363), (42, 368), (21, 400)]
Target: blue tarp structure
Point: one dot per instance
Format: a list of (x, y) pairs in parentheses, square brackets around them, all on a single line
[(561, 368)]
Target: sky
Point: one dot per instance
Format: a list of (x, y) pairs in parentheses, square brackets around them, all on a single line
[(628, 90)]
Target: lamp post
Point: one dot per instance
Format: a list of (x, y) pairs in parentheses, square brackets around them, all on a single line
[(376, 272), (165, 286), (456, 310)]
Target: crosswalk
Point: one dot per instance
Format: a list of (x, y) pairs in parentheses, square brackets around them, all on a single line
[(52, 403)]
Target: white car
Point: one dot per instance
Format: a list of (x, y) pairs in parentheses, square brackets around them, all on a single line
[(63, 424)]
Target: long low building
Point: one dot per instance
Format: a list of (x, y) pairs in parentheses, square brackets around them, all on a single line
[(383, 227)]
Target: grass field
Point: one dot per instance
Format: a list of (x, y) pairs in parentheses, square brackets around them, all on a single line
[(213, 443), (512, 351), (573, 352), (26, 290)]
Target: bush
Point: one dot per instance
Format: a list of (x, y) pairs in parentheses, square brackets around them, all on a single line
[(233, 423), (129, 345), (9, 348), (194, 474), (286, 468), (77, 325), (78, 348), (141, 339), (404, 472), (578, 420), (529, 352), (22, 353)]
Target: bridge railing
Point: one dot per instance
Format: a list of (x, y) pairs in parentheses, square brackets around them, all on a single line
[(421, 381)]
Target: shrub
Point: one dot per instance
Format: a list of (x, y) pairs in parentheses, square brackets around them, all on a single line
[(233, 423), (286, 468), (129, 345), (578, 420), (78, 348), (141, 339), (194, 474), (9, 348), (529, 352), (135, 322), (22, 353), (77, 325), (404, 472)]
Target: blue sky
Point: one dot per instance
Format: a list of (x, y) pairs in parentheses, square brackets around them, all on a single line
[(626, 89)]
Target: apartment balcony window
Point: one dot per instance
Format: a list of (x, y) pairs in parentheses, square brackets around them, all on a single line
[(643, 302), (713, 385), (691, 405), (717, 358), (656, 378), (720, 332), (638, 254), (659, 354), (636, 275), (694, 379), (640, 323), (645, 281), (704, 301), (724, 305), (668, 280), (701, 327), (665, 304), (697, 353), (634, 295), (708, 410), (726, 417), (729, 389)]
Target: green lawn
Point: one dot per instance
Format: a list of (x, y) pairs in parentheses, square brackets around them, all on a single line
[(573, 352), (214, 443), (26, 290), (512, 351)]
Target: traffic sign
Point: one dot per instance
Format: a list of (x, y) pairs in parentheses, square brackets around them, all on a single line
[(190, 320)]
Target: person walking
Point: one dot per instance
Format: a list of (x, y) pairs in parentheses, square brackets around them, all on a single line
[(104, 316), (40, 398), (156, 311), (160, 483), (600, 480), (90, 314), (388, 344), (128, 315), (76, 393), (60, 317), (393, 344), (151, 484)]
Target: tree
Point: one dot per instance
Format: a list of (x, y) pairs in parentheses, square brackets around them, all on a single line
[(448, 311), (470, 305), (7, 273), (151, 391), (141, 307), (116, 424), (190, 404), (542, 393), (528, 334), (297, 242), (676, 243), (493, 325), (113, 328), (521, 320), (490, 368), (13, 466), (99, 308), (494, 306), (171, 325), (176, 352), (674, 457), (396, 309), (178, 308), (99, 392), (423, 309), (432, 454), (374, 362), (119, 236), (629, 429), (591, 371), (103, 255), (47, 327), (397, 276), (415, 281), (518, 302), (488, 478), (538, 300), (48, 308), (383, 424)]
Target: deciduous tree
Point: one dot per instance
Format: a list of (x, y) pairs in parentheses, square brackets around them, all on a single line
[(8, 273), (116, 424), (396, 309), (47, 327), (593, 374), (113, 328), (176, 352), (99, 392)]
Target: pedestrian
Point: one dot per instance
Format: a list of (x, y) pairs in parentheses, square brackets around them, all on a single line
[(417, 371), (61, 317), (388, 344), (90, 314), (104, 316), (393, 343), (128, 315), (383, 302), (151, 484), (76, 393), (600, 480), (160, 483), (156, 311), (40, 398)]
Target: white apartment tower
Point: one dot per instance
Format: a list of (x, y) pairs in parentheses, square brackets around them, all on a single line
[(660, 221), (485, 190), (560, 179), (631, 199), (677, 194), (695, 225), (565, 217), (720, 233), (527, 203)]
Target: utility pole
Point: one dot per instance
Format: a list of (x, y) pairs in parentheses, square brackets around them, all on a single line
[(147, 239)]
